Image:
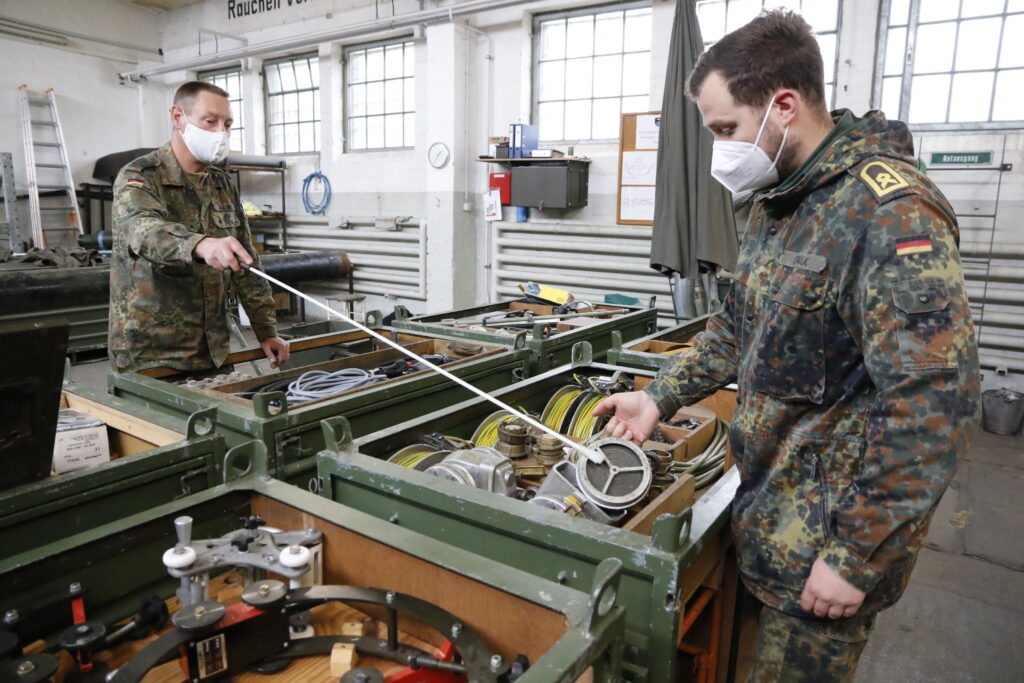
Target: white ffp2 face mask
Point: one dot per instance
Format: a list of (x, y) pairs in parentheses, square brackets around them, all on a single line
[(207, 146), (743, 167)]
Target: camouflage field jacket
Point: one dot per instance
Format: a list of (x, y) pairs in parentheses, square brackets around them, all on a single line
[(166, 308), (848, 332)]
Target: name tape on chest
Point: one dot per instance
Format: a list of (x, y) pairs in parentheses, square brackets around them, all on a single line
[(918, 244), (812, 262), (882, 178)]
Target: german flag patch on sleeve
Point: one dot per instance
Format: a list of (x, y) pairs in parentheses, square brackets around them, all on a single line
[(135, 182), (919, 244)]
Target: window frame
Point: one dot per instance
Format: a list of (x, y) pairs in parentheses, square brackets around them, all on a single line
[(837, 32), (590, 10), (360, 47), (907, 77), (318, 121), (238, 124)]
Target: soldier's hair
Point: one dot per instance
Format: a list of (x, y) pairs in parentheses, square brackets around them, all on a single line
[(186, 94), (777, 49)]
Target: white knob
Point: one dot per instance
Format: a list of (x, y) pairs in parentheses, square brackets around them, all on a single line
[(295, 556), (179, 557)]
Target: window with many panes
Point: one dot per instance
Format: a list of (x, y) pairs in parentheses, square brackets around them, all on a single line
[(380, 101), (231, 81), (292, 89), (952, 62), (589, 68), (718, 17)]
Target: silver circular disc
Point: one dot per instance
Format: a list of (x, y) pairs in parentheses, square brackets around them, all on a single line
[(621, 481), (264, 593), (363, 674), (199, 616)]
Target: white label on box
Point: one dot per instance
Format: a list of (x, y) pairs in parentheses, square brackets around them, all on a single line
[(74, 449)]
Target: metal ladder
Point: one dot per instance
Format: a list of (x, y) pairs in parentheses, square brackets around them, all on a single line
[(40, 114)]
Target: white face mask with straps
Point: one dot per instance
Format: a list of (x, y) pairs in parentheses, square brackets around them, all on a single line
[(743, 167), (207, 146)]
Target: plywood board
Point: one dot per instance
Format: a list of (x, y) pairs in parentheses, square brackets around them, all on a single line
[(672, 501), (154, 434)]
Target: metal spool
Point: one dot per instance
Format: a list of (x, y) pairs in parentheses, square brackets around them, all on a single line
[(621, 481), (417, 457), (363, 674), (264, 593), (199, 616)]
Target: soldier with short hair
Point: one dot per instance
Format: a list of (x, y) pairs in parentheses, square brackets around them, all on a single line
[(180, 242), (848, 333)]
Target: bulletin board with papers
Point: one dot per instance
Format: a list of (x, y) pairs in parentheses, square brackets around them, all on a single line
[(638, 163)]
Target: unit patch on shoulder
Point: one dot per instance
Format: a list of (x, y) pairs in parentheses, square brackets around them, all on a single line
[(882, 178), (918, 244)]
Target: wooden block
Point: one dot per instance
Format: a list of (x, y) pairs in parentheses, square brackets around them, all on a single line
[(576, 323), (355, 628), (673, 500), (343, 658), (153, 434)]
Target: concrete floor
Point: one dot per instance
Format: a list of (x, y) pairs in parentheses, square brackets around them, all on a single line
[(962, 617)]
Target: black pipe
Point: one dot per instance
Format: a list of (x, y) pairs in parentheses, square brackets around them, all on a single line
[(50, 289)]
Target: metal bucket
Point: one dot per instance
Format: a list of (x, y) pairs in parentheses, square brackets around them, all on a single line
[(1002, 410)]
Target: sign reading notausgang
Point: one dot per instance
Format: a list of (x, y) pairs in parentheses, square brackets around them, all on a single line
[(247, 8), (965, 158)]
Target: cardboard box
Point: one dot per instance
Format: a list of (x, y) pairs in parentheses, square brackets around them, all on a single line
[(81, 441)]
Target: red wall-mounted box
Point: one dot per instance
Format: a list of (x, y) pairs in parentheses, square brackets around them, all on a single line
[(503, 182)]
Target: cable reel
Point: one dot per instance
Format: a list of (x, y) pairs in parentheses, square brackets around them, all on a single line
[(621, 481)]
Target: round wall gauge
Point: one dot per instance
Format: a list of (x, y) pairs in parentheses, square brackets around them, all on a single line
[(439, 155)]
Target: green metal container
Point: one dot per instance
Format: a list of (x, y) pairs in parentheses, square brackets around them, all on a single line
[(546, 350), (293, 435), (119, 562), (651, 352), (545, 543), (44, 512)]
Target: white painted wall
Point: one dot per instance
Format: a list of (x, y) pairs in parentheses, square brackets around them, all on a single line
[(99, 114)]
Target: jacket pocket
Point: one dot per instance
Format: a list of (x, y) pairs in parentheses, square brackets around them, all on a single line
[(790, 351), (925, 326)]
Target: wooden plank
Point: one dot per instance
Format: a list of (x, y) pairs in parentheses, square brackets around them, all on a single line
[(507, 623), (154, 434), (673, 500)]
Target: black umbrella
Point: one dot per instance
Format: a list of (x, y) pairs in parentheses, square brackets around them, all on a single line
[(693, 216)]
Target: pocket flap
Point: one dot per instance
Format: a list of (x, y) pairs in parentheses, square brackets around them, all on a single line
[(226, 219), (799, 289), (920, 296)]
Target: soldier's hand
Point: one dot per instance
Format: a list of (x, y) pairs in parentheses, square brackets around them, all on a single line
[(276, 350), (635, 418), (222, 253), (828, 594)]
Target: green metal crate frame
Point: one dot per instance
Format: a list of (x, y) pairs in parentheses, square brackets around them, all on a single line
[(542, 542), (545, 353), (43, 512), (120, 562), (293, 435), (626, 355)]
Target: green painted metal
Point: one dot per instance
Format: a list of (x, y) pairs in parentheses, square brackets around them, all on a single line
[(87, 324), (542, 542), (545, 353), (629, 354), (42, 512), (293, 435), (120, 562)]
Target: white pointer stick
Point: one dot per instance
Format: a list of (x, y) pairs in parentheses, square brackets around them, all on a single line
[(594, 456)]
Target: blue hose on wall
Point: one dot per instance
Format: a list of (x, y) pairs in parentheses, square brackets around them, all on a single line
[(320, 208)]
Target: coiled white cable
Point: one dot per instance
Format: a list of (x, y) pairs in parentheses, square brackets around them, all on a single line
[(317, 384)]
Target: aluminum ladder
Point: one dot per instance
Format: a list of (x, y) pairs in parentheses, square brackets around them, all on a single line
[(44, 138)]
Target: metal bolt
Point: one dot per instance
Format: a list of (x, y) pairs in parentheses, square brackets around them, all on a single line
[(26, 667), (199, 611), (310, 531), (496, 662), (11, 616), (264, 589), (456, 629), (269, 559), (390, 597), (75, 588), (82, 628), (295, 549)]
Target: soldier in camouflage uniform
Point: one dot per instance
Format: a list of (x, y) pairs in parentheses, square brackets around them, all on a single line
[(180, 242), (848, 332)]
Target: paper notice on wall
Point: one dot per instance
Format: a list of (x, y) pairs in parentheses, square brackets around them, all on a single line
[(639, 168), (647, 131), (492, 205), (637, 204)]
